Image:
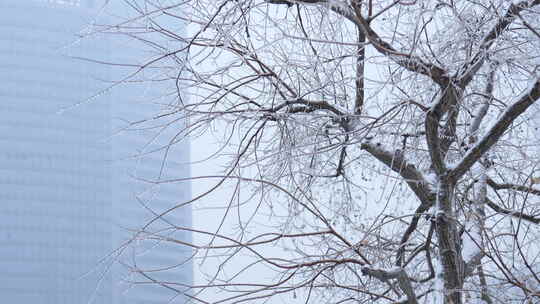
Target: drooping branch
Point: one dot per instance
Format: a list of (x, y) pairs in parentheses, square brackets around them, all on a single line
[(426, 247), (410, 229)]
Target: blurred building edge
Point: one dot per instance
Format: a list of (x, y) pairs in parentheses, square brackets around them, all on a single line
[(75, 172)]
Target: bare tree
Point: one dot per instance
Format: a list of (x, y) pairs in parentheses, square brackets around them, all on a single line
[(388, 147)]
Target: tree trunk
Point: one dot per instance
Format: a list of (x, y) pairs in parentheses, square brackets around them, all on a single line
[(449, 249)]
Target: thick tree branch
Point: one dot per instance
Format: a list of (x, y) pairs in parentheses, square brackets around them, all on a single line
[(483, 109), (448, 99), (302, 105), (496, 186), (517, 214), (497, 130), (449, 132), (396, 273), (360, 65), (415, 181), (483, 282), (397, 162)]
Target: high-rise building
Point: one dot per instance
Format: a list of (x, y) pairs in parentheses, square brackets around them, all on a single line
[(74, 182)]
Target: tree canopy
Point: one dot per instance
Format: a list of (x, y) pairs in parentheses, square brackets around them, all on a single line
[(379, 151)]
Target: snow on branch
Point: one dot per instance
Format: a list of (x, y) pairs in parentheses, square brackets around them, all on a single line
[(415, 179), (396, 161)]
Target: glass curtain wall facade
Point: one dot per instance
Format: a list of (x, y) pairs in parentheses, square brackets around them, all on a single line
[(71, 182)]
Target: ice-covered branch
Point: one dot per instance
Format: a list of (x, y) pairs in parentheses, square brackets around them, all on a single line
[(517, 214), (507, 186), (405, 59), (484, 106), (530, 96), (396, 161), (410, 229), (470, 68), (395, 273), (337, 7), (302, 105)]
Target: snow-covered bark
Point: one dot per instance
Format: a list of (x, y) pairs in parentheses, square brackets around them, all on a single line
[(473, 244)]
